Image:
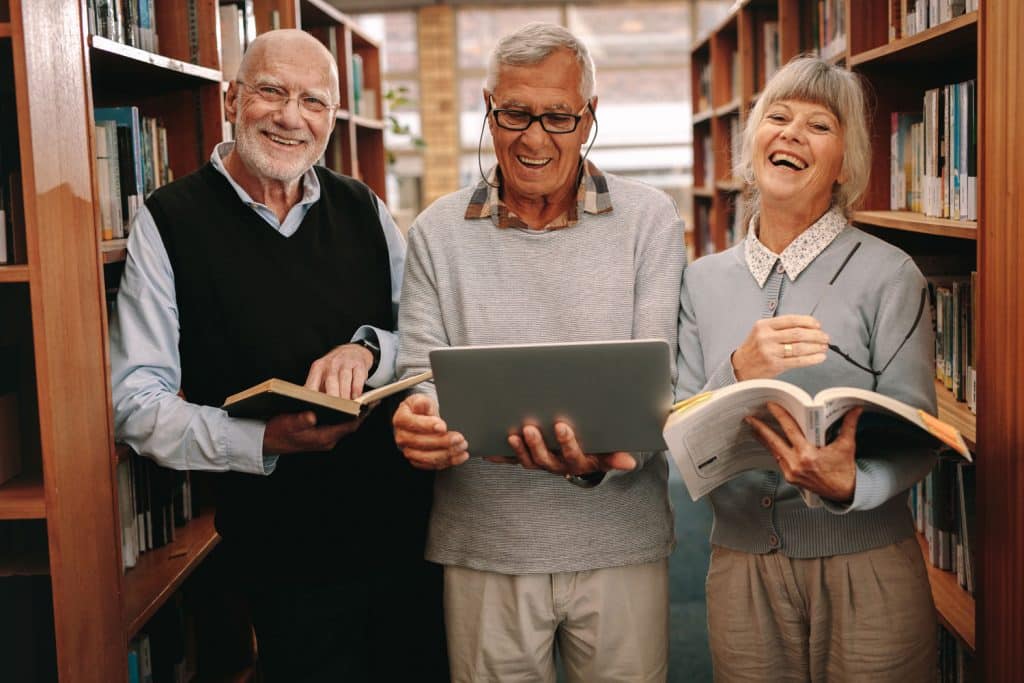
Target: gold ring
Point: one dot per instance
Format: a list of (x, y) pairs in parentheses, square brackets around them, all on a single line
[(787, 350)]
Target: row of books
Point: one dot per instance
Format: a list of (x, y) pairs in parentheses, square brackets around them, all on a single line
[(12, 230), (956, 665), (237, 30), (924, 14), (934, 154), (161, 652), (131, 162), (364, 100), (955, 302), (943, 506), (704, 88), (153, 502), (824, 31), (771, 50), (132, 22)]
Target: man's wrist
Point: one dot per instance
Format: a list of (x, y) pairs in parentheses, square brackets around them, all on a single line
[(371, 346)]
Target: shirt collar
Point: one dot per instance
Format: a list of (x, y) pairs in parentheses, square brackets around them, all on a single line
[(798, 254), (592, 197), (310, 183)]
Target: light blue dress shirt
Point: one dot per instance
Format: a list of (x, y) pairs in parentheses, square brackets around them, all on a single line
[(149, 415)]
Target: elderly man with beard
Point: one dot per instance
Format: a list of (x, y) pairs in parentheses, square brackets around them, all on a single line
[(258, 265)]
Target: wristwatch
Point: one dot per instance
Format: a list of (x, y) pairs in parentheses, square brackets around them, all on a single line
[(371, 346), (585, 481)]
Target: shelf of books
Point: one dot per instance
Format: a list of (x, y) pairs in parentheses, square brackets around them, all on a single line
[(923, 63), (141, 83)]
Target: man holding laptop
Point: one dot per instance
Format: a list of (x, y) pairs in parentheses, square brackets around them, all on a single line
[(553, 542)]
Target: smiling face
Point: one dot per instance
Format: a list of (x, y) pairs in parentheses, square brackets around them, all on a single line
[(280, 142), (538, 166), (798, 156)]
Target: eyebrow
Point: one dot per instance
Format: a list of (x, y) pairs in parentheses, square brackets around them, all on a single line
[(522, 105), (278, 83)]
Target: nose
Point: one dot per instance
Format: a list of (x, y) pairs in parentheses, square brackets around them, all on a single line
[(792, 130), (534, 135), (289, 114)]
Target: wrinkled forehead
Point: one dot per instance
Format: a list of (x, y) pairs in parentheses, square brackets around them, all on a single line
[(298, 65)]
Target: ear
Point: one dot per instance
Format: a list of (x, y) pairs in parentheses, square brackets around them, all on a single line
[(231, 101), (487, 101)]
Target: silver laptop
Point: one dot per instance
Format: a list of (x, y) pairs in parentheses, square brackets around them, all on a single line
[(615, 395)]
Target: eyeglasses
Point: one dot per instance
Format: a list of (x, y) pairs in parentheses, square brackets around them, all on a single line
[(279, 97), (551, 122), (917, 319)]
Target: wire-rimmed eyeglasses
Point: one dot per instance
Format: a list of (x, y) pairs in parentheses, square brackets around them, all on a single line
[(556, 123), (278, 97)]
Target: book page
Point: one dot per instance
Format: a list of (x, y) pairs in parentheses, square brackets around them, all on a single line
[(709, 441), (840, 400)]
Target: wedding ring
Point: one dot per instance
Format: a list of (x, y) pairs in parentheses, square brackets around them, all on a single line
[(787, 350)]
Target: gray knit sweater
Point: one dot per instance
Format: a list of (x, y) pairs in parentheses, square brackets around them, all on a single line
[(611, 276), (867, 312)]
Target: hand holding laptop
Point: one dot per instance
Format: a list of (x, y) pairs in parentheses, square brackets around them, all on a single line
[(533, 453)]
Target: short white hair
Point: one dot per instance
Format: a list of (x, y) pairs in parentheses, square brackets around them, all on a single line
[(532, 44)]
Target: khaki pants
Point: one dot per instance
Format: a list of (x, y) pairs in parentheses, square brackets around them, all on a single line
[(868, 616), (610, 624)]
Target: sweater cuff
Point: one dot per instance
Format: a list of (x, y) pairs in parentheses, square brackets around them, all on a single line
[(723, 376), (243, 448), (868, 492)]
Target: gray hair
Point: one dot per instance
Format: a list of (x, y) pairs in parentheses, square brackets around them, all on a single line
[(810, 79), (533, 43)]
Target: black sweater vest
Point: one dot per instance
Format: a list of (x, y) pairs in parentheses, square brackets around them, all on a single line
[(253, 304)]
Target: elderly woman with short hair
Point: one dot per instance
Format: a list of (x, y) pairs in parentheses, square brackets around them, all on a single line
[(837, 591)]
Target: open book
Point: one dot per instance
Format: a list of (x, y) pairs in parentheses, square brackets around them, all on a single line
[(276, 396), (710, 442)]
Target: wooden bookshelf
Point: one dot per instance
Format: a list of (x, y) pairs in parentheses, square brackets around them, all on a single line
[(953, 605), (15, 273), (23, 498), (159, 573), (57, 293), (957, 414), (910, 221), (932, 44)]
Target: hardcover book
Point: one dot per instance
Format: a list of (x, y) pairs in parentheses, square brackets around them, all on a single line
[(276, 396)]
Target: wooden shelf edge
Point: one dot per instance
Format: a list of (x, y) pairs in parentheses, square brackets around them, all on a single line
[(957, 414), (363, 122), (911, 221), (729, 185), (23, 497), (114, 251), (732, 107), (953, 605), (702, 116), (36, 562), (703, 191), (153, 59), (159, 573), (901, 44), (5, 29), (15, 273)]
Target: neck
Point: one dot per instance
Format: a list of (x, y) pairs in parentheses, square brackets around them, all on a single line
[(779, 225), (538, 211), (278, 195)]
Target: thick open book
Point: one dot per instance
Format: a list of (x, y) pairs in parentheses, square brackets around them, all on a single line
[(276, 396), (710, 442)]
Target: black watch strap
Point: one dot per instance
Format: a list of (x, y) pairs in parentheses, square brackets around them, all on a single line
[(374, 351)]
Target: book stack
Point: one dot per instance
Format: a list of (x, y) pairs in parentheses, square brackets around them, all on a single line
[(955, 302), (922, 15), (132, 22), (943, 506)]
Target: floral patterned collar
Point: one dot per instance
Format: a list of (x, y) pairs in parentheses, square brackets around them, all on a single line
[(800, 252)]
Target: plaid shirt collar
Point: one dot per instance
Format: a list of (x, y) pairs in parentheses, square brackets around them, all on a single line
[(592, 197)]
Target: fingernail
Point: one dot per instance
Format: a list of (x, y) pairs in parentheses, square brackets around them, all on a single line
[(561, 430)]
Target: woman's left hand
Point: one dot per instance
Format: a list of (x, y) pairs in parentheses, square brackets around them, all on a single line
[(830, 471)]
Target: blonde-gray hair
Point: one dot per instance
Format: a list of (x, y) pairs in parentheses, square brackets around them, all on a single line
[(533, 43), (810, 79)]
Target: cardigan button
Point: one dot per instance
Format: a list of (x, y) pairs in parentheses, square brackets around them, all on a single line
[(773, 541), (780, 269), (766, 502), (771, 305)]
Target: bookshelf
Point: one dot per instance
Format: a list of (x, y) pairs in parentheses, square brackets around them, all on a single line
[(984, 45), (53, 294)]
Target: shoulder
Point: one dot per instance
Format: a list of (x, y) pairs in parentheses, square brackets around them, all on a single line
[(331, 181), (881, 261), (635, 195), (445, 213), (715, 266)]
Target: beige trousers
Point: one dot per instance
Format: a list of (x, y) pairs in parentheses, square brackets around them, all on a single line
[(867, 616), (610, 624)]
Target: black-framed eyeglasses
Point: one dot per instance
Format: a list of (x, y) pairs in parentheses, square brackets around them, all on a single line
[(552, 122), (278, 97), (913, 328)]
